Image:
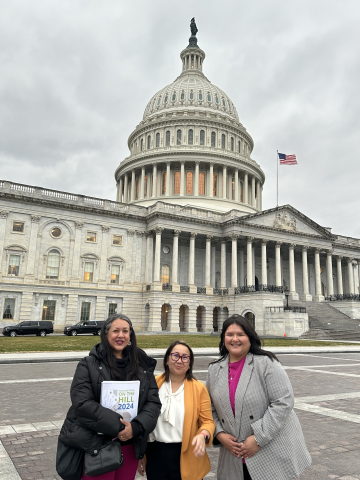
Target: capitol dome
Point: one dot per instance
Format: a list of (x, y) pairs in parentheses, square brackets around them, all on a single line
[(190, 148)]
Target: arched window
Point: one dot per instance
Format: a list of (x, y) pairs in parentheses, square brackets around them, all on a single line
[(213, 139), (137, 189), (173, 98), (145, 186), (223, 102), (201, 183), (214, 185), (178, 137), (189, 183), (149, 142), (190, 137), (233, 188), (165, 274), (232, 144), (164, 183), (209, 97), (177, 183), (191, 95), (168, 138), (200, 96), (223, 141), (141, 144), (202, 137), (53, 264), (159, 101), (216, 99), (166, 99), (158, 139), (182, 96), (239, 144)]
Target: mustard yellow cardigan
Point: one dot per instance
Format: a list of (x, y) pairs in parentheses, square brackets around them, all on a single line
[(198, 417)]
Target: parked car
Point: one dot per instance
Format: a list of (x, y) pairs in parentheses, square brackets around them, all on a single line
[(41, 329), (89, 326)]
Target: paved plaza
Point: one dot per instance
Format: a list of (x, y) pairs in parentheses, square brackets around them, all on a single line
[(35, 398)]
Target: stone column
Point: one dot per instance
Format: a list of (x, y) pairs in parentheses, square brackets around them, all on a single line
[(249, 262), (292, 292), (213, 263), (167, 193), (191, 281), (30, 267), (130, 267), (237, 198), (154, 183), (211, 179), (75, 273), (246, 188), (223, 264), (260, 197), (306, 297), (234, 280), (3, 217), (258, 188), (263, 263), (339, 276), (142, 183), (318, 296), (120, 197), (241, 267), (196, 183), (329, 274), (133, 186), (358, 276), (253, 198), (224, 181), (350, 276), (182, 178), (103, 259), (175, 261), (157, 255), (208, 287), (126, 187), (277, 265), (149, 257)]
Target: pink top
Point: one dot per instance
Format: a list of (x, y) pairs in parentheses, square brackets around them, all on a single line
[(235, 370)]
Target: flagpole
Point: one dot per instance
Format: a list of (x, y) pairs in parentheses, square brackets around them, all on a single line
[(277, 176)]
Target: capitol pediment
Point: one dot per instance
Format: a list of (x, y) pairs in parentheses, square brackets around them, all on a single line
[(287, 219)]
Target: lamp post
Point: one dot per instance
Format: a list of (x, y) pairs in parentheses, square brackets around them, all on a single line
[(286, 290)]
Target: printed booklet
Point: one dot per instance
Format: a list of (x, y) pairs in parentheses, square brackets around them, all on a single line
[(121, 397)]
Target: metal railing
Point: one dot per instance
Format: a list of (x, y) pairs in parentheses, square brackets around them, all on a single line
[(148, 288), (277, 309), (344, 296), (260, 288), (201, 290), (167, 287), (184, 289)]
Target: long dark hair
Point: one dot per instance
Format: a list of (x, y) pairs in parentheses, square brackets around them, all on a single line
[(130, 351), (188, 374), (255, 342)]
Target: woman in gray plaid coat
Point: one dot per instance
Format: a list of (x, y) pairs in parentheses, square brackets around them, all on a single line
[(259, 434)]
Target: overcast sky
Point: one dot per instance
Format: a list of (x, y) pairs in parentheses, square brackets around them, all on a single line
[(76, 76)]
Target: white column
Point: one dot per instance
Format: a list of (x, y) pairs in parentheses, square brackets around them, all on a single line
[(132, 185), (126, 187), (208, 262), (292, 292), (350, 276), (277, 265), (223, 264), (263, 263), (213, 263), (154, 185), (167, 193), (306, 297), (246, 188), (120, 196), (211, 179), (258, 188), (157, 255), (318, 296), (241, 267), (192, 260), (32, 257), (253, 265), (358, 277), (253, 199), (340, 288), (3, 216), (260, 196), (224, 181), (103, 258), (175, 259), (329, 274), (234, 280), (196, 184), (182, 178), (249, 262), (149, 257), (142, 183), (237, 197)]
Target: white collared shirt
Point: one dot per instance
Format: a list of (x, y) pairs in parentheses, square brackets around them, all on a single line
[(169, 427)]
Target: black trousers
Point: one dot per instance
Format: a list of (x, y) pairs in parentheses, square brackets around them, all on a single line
[(246, 473), (163, 461)]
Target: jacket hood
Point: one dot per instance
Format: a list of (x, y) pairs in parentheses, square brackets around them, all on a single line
[(145, 361)]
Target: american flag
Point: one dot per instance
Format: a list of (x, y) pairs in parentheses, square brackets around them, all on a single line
[(287, 159)]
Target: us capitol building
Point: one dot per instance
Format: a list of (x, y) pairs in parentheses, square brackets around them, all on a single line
[(185, 244)]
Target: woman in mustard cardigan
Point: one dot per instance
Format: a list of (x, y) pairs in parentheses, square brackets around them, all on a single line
[(176, 448)]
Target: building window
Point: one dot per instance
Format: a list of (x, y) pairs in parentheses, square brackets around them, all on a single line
[(223, 141), (112, 308), (214, 185), (177, 177), (9, 308), (191, 137), (213, 139), (56, 232), (18, 227), (53, 264), (48, 312), (209, 97), (233, 188), (158, 139), (174, 97), (117, 240), (91, 237), (232, 144), (115, 274), (89, 272), (182, 96), (168, 138), (145, 185), (14, 265), (178, 137), (191, 95), (136, 189), (159, 100), (200, 96), (202, 137), (164, 183), (166, 99), (141, 144), (239, 146), (216, 99), (223, 102), (189, 183), (201, 183), (148, 142), (165, 274), (85, 311)]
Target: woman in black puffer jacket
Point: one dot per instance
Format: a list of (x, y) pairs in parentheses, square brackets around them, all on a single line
[(116, 358)]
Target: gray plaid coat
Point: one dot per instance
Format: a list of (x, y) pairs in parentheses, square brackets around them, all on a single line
[(264, 403)]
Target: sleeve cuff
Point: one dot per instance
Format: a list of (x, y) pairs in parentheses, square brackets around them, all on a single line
[(137, 429)]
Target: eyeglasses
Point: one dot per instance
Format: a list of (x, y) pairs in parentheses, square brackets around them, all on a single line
[(183, 358)]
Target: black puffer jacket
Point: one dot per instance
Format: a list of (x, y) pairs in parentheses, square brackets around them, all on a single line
[(86, 418)]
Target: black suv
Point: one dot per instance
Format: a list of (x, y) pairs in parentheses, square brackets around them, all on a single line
[(29, 328), (89, 326)]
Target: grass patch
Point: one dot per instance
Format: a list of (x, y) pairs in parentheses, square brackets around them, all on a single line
[(79, 343)]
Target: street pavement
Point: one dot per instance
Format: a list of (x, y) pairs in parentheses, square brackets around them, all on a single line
[(35, 399)]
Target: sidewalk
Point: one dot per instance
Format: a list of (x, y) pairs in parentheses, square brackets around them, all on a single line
[(8, 358)]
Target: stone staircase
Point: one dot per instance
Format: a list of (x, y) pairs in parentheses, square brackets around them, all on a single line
[(326, 322)]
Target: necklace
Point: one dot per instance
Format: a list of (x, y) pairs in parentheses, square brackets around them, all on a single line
[(234, 368)]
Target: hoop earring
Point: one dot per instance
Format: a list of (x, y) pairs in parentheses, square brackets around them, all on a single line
[(129, 344)]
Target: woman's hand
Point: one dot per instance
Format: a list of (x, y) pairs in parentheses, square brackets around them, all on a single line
[(230, 443), (249, 447), (199, 445), (141, 467), (127, 433)]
